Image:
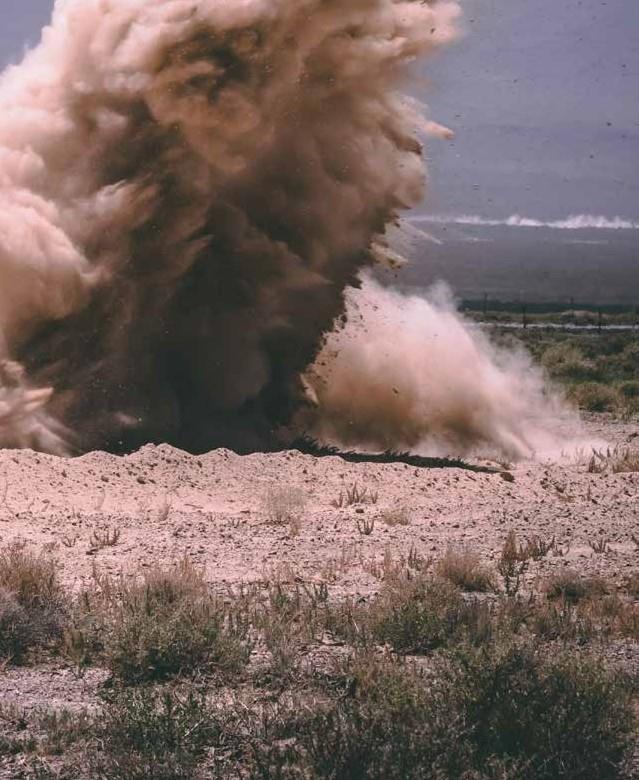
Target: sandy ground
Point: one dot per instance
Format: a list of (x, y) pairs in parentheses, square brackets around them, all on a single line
[(165, 504)]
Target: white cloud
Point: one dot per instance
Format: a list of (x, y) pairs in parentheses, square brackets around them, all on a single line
[(575, 222)]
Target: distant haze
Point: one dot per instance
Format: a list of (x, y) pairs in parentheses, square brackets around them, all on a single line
[(542, 97), (522, 263)]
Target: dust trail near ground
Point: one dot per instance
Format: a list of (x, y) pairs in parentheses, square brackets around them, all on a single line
[(408, 372), (187, 187)]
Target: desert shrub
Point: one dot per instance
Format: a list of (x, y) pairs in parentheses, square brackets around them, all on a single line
[(502, 711), (163, 624), (289, 619), (557, 716), (584, 618), (594, 397), (565, 361), (616, 461), (394, 516), (387, 724), (628, 404), (421, 614), (574, 587), (513, 563), (630, 389), (16, 630), (283, 505), (465, 570), (631, 585), (32, 602), (628, 360), (150, 734)]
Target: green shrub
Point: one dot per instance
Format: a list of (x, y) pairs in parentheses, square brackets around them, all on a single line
[(149, 734), (565, 361), (594, 397), (421, 614), (508, 711), (165, 624), (557, 716)]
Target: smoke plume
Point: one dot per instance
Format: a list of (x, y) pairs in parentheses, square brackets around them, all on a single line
[(190, 191)]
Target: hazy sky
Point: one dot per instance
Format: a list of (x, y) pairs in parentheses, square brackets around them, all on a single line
[(543, 95)]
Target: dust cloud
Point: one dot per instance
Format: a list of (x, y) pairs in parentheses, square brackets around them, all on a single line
[(407, 372), (190, 191)]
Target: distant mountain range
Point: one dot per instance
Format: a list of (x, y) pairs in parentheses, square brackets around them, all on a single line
[(587, 259)]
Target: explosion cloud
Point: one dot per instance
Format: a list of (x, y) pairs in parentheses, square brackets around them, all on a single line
[(188, 186), (188, 191)]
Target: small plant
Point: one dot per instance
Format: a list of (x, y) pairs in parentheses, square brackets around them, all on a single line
[(599, 546), (574, 588), (104, 537), (69, 540), (354, 495), (284, 506), (465, 570), (418, 562), (512, 564), (366, 525)]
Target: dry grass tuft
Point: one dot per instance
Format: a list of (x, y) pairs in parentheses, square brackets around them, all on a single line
[(32, 602), (619, 460), (284, 506), (399, 515), (465, 570), (573, 587), (355, 495)]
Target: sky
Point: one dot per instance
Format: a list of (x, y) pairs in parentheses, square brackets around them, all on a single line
[(542, 96)]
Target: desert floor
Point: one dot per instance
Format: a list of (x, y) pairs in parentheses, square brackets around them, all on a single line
[(116, 514)]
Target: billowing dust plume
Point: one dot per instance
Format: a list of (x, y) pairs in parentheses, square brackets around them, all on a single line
[(408, 373), (188, 189)]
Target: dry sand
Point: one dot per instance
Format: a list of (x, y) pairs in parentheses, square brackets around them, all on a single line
[(167, 504)]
